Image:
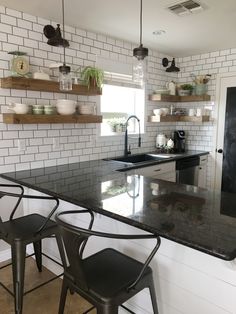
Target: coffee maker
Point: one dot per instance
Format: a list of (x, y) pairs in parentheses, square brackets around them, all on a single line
[(179, 141)]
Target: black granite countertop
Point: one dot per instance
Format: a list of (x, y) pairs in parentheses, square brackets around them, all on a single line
[(198, 218)]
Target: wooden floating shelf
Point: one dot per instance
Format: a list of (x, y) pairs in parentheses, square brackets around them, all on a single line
[(12, 118), (179, 118), (46, 86), (170, 98)]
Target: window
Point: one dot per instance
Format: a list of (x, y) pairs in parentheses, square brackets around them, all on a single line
[(120, 99)]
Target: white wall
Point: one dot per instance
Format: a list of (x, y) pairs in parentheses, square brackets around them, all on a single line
[(80, 142)]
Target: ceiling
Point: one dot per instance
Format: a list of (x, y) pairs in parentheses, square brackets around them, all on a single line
[(210, 30)]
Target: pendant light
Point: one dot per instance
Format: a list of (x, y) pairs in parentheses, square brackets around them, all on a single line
[(140, 53), (65, 79)]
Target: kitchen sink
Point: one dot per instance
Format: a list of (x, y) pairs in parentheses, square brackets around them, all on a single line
[(139, 158)]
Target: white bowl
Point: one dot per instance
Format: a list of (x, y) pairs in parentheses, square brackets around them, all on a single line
[(19, 108), (165, 111), (65, 106), (86, 109), (158, 112)]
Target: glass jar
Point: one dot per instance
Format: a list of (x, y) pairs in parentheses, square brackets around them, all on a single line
[(65, 78)]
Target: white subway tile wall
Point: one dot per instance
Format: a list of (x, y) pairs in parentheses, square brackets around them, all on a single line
[(79, 142)]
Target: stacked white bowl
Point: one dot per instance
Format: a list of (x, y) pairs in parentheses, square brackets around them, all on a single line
[(66, 106)]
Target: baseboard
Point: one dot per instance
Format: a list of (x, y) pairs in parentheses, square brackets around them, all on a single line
[(5, 255)]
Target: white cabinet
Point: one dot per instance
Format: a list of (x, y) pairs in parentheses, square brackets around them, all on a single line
[(202, 169), (163, 171)]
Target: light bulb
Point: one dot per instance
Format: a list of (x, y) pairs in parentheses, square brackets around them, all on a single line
[(139, 71), (65, 78)]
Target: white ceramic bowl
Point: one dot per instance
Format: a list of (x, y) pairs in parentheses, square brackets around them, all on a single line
[(19, 108), (86, 109), (165, 111), (158, 112), (65, 106)]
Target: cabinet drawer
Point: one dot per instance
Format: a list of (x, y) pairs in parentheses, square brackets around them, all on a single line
[(154, 171), (168, 176)]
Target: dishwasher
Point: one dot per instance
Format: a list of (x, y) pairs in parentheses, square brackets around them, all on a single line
[(187, 170)]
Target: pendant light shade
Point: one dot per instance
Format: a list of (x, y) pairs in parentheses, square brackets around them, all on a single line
[(140, 53), (54, 36)]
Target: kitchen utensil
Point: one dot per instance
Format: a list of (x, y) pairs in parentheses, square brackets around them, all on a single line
[(199, 112), (86, 109), (66, 106), (165, 111), (41, 76), (38, 109), (158, 112), (19, 108), (49, 109), (160, 140), (171, 87), (191, 112), (162, 91)]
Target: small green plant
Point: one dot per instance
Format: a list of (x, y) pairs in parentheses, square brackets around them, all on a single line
[(186, 87), (90, 74)]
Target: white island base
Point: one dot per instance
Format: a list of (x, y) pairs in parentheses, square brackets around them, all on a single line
[(186, 280)]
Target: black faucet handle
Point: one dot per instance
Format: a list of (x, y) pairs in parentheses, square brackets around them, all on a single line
[(139, 141), (129, 150)]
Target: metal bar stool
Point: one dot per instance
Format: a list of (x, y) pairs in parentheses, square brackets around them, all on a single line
[(107, 278), (19, 232)]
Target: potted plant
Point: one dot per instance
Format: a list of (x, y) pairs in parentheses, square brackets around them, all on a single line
[(185, 89), (117, 124), (92, 76)]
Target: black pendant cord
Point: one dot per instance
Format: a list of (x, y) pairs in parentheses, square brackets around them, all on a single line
[(141, 21), (63, 31)]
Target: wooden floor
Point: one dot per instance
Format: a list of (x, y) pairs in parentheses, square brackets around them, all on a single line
[(44, 300)]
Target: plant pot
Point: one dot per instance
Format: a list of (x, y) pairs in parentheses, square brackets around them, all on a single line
[(200, 89), (184, 92), (92, 82)]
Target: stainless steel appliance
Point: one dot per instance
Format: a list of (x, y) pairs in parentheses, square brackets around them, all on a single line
[(187, 170), (179, 141)]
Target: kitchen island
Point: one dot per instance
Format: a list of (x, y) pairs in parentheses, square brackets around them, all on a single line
[(186, 218)]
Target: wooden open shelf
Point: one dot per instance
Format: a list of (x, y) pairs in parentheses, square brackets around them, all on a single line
[(170, 98), (46, 86), (12, 118), (179, 118)]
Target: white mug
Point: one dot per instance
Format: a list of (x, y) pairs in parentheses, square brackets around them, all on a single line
[(191, 112), (199, 112)]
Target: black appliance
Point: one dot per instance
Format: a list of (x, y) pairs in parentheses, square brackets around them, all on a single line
[(187, 170), (179, 141)]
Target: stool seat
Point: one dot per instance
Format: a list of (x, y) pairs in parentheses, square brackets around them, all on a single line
[(108, 272), (25, 228)]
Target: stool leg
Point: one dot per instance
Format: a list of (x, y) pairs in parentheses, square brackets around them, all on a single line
[(61, 249), (18, 251), (153, 296), (107, 309), (63, 296), (38, 254)]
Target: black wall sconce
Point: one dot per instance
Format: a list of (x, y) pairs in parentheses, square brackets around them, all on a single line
[(172, 67)]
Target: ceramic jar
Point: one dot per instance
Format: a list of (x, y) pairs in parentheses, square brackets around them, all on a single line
[(201, 89)]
